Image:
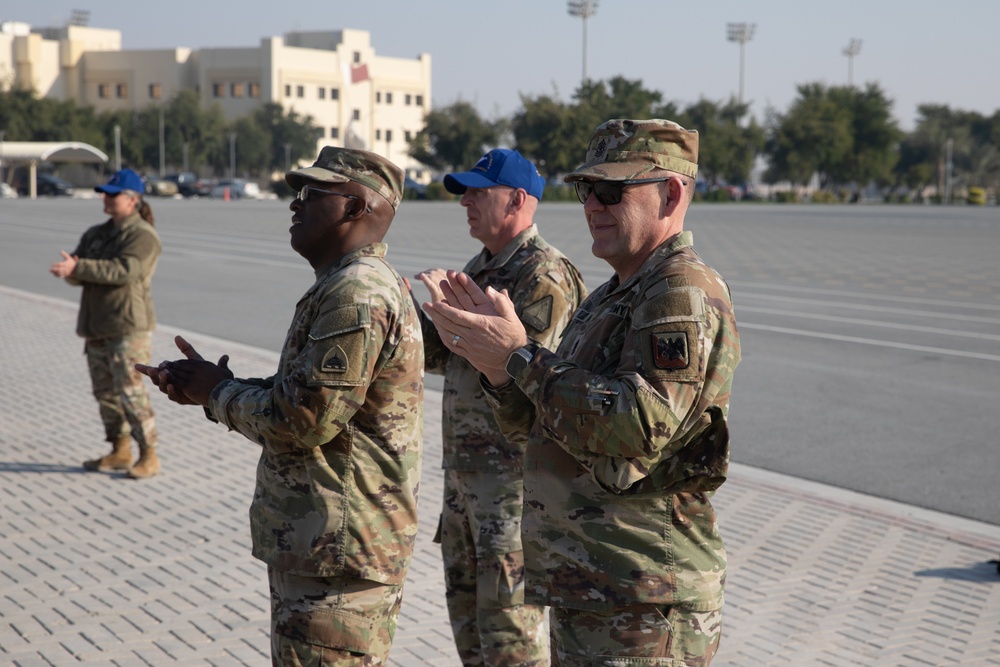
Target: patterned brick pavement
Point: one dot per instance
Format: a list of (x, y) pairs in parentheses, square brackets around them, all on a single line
[(99, 569)]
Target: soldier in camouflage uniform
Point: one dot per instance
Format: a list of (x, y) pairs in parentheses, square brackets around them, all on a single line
[(334, 514), (626, 422), (480, 531), (114, 263)]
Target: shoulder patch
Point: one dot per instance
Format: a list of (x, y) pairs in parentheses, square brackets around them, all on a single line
[(670, 350), (539, 314), (335, 360)]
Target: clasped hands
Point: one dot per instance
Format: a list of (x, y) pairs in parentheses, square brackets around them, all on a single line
[(481, 326), (188, 381)]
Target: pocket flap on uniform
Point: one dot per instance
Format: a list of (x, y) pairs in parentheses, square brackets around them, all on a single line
[(336, 321)]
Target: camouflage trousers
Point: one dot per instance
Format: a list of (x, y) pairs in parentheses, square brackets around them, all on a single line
[(331, 621), (119, 389), (480, 539), (647, 635)]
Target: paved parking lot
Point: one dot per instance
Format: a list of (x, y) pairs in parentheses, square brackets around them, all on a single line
[(101, 570)]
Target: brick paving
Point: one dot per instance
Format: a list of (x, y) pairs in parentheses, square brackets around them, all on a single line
[(102, 570)]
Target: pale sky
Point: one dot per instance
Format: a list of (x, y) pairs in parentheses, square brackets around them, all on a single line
[(488, 53)]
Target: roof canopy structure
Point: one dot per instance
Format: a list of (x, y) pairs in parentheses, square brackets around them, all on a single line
[(33, 152), (51, 151)]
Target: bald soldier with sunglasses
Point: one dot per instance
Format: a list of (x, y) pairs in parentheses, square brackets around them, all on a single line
[(339, 425), (626, 421)]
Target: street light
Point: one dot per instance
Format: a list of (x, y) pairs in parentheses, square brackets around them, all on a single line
[(162, 151), (583, 9), (851, 50), (118, 148), (232, 155), (742, 33)]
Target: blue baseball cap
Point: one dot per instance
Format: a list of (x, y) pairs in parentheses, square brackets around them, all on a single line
[(501, 166), (126, 179)]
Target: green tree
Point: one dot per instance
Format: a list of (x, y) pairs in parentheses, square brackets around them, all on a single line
[(454, 137), (548, 133), (291, 129), (726, 148), (875, 136)]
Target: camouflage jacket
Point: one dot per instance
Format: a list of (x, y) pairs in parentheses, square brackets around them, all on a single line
[(115, 268), (340, 425), (546, 288), (627, 439)]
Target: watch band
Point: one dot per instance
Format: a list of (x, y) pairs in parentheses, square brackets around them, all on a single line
[(520, 358)]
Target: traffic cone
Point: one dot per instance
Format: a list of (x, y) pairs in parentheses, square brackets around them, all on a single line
[(225, 194)]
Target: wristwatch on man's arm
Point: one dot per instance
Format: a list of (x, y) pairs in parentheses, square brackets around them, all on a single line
[(520, 358)]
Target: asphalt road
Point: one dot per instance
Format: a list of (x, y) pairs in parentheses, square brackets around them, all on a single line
[(871, 334)]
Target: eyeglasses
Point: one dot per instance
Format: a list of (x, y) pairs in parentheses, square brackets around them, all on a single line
[(609, 192), (306, 189)]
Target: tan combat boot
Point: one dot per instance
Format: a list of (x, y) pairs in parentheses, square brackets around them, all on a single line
[(120, 457), (147, 465)]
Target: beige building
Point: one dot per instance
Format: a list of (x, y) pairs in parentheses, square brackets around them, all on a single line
[(356, 97)]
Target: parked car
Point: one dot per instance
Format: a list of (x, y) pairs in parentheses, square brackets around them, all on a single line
[(414, 190), (160, 187), (46, 184), (7, 192), (203, 187), (236, 188), (186, 183)]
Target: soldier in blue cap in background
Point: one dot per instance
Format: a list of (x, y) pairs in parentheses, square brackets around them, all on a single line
[(114, 263), (626, 421), (480, 531)]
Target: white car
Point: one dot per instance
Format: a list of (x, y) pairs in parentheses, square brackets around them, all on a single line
[(7, 192)]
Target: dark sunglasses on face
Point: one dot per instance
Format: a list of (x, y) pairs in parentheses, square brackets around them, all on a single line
[(306, 189), (609, 192)]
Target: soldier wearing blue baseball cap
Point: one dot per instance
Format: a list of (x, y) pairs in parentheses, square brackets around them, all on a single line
[(114, 264), (480, 532)]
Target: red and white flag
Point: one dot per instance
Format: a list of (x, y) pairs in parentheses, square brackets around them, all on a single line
[(359, 73)]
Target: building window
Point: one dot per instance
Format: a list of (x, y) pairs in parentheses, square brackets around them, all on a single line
[(378, 97), (388, 136), (218, 89), (236, 90), (322, 132), (288, 90), (254, 89), (300, 91), (335, 133), (388, 98), (407, 135), (322, 92), (122, 90), (357, 57), (420, 100), (155, 91), (356, 115), (409, 99), (335, 93), (378, 135), (104, 90)]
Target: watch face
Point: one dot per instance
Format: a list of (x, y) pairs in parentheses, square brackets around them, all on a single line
[(518, 361)]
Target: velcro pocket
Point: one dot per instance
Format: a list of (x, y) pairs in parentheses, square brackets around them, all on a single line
[(329, 628), (338, 355)]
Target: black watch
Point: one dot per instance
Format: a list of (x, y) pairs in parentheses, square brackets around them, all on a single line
[(520, 358)]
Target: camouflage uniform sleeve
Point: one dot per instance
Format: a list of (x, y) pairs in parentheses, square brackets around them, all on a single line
[(651, 406), (545, 299), (324, 384), (139, 250), (435, 353)]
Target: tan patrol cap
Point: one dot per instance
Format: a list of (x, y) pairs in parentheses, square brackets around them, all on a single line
[(339, 165), (622, 149)]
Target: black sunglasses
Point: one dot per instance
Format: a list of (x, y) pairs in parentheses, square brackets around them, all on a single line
[(609, 192), (306, 189)]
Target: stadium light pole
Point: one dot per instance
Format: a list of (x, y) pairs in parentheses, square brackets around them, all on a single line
[(851, 50), (741, 33), (583, 9), (232, 155)]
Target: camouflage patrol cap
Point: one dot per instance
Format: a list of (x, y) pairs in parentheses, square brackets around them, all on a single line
[(339, 165), (621, 149)]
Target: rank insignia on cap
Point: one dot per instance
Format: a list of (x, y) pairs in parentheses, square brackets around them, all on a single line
[(670, 350), (335, 361), (539, 314)]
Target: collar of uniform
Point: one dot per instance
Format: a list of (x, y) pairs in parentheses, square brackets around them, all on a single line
[(373, 250), (683, 239), (483, 261)]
